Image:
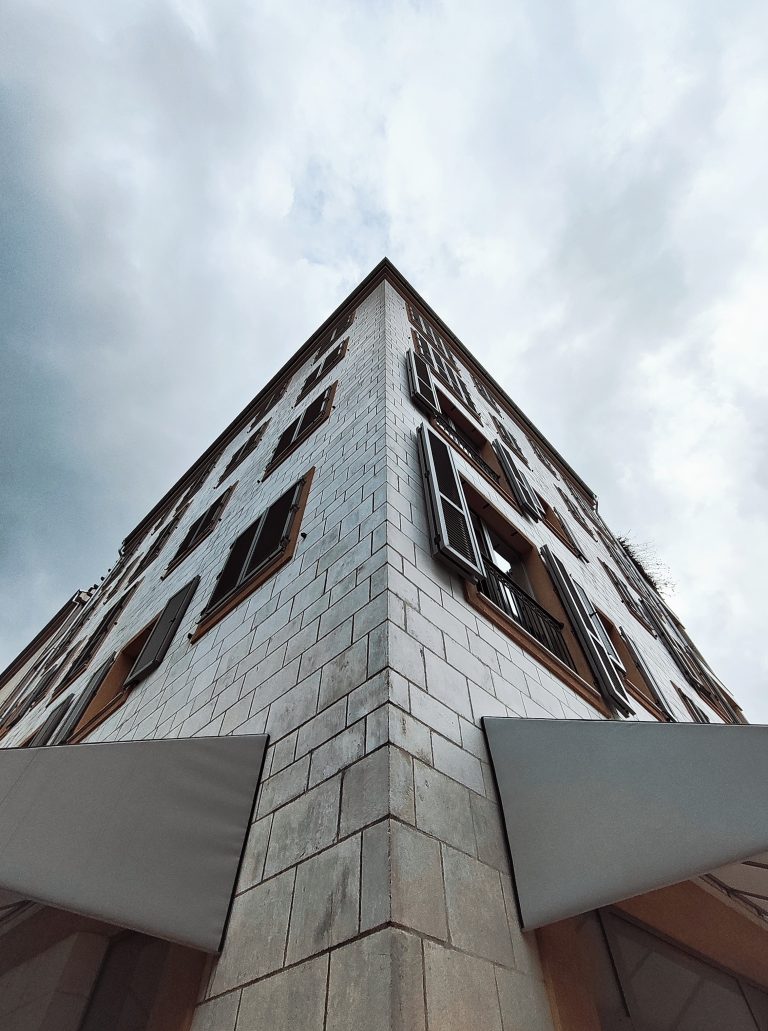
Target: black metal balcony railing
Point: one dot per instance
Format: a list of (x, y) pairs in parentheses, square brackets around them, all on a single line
[(505, 593), (465, 445)]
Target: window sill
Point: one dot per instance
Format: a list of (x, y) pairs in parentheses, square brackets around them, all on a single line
[(647, 703), (478, 468), (210, 619), (528, 643)]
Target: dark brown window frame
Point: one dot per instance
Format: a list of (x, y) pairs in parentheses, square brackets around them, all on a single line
[(209, 620), (246, 448), (305, 434), (180, 556), (510, 440), (331, 336)]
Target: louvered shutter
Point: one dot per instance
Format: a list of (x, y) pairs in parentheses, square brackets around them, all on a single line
[(607, 675), (450, 525), (335, 356), (274, 531), (78, 710), (285, 440), (420, 382), (186, 544), (43, 735), (311, 379), (230, 574), (161, 635), (524, 493), (569, 536), (314, 411), (646, 674), (485, 393)]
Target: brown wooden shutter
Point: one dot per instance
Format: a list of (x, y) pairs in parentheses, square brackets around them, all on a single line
[(230, 574), (524, 493), (94, 641), (450, 526), (569, 536), (646, 674), (192, 533), (285, 440), (159, 640), (78, 710), (274, 531), (46, 731), (314, 376), (485, 392), (608, 678), (313, 412), (421, 385)]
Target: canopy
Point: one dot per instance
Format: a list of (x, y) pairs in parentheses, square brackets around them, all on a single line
[(597, 811), (147, 835)]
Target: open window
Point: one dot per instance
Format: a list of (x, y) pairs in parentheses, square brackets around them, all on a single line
[(333, 334), (319, 372), (643, 685), (200, 528), (314, 415), (257, 553), (608, 669), (431, 346), (522, 489), (95, 641), (509, 440), (575, 513), (111, 684), (243, 451), (695, 711), (485, 392)]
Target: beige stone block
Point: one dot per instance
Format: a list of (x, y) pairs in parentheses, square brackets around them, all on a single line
[(461, 991), (418, 900), (376, 984), (524, 1002), (325, 900), (476, 912), (443, 808), (293, 1000)]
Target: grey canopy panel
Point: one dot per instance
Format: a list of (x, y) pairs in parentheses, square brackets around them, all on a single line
[(599, 811), (146, 835)]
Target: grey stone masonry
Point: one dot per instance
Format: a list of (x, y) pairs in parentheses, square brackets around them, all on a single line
[(375, 889)]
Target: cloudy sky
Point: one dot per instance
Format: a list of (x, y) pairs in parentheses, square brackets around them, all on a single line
[(580, 189)]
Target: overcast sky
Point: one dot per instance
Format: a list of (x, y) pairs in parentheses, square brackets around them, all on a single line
[(579, 189)]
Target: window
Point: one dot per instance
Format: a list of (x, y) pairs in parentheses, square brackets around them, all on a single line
[(200, 529), (96, 639), (504, 575), (332, 335), (695, 711), (257, 553), (543, 457), (268, 402), (110, 685), (303, 425), (526, 497), (44, 733), (485, 393), (509, 440), (243, 451), (430, 346), (607, 667), (640, 677), (159, 543), (632, 603), (321, 371), (575, 513)]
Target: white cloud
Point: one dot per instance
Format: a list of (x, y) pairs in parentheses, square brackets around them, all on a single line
[(577, 188)]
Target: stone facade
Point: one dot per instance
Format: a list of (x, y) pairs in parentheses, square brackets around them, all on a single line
[(375, 890)]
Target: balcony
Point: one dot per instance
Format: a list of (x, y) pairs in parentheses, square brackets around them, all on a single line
[(519, 606)]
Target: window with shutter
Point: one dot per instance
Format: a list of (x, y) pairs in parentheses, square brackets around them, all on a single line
[(543, 457), (257, 553), (421, 384), (650, 681), (201, 528), (332, 335), (75, 714), (94, 642), (243, 451), (321, 371), (450, 527), (603, 659), (268, 402), (509, 440), (695, 711), (445, 370), (303, 425), (431, 337), (575, 513), (485, 392), (523, 492), (44, 734), (162, 633)]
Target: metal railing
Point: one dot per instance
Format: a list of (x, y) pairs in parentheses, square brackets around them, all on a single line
[(465, 445), (505, 593)]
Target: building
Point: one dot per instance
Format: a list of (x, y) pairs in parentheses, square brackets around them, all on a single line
[(501, 787)]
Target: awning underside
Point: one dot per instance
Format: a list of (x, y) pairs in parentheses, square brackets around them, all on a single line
[(599, 811), (145, 835)]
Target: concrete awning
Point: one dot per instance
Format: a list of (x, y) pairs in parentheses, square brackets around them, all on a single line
[(599, 811), (146, 835)]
